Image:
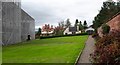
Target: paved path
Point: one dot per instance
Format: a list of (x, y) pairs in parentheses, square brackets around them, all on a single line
[(89, 48)]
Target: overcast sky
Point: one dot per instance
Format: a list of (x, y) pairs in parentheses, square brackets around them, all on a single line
[(54, 11)]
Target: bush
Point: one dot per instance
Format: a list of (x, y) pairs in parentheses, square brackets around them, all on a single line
[(107, 49), (106, 28)]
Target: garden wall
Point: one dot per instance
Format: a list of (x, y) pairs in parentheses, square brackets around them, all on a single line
[(114, 24)]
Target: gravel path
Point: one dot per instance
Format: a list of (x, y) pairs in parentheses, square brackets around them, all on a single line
[(89, 48)]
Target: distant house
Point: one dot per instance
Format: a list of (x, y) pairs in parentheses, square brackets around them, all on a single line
[(89, 30), (47, 30), (71, 30), (114, 24), (44, 33)]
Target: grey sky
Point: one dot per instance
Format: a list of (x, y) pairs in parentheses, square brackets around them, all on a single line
[(54, 11)]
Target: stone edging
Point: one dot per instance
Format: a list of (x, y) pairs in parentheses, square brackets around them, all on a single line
[(80, 53)]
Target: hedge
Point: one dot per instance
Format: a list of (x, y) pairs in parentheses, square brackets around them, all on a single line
[(63, 35)]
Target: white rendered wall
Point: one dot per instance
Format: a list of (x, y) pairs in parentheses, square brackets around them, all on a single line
[(0, 22), (0, 32), (11, 23), (27, 26), (16, 24)]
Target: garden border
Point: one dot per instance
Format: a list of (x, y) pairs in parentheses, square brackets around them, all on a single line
[(80, 53)]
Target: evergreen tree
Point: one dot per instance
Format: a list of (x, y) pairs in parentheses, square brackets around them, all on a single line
[(68, 23), (85, 24), (76, 23), (39, 31), (81, 26), (108, 10)]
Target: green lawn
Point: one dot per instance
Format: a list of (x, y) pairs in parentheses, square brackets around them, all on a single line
[(52, 50)]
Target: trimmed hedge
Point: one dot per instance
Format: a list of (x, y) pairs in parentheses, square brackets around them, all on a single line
[(63, 35)]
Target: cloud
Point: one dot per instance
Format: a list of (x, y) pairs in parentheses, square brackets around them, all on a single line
[(54, 11)]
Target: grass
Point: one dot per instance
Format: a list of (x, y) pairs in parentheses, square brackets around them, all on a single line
[(52, 50)]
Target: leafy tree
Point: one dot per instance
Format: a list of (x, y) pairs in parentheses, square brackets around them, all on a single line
[(61, 28), (61, 24), (58, 30)]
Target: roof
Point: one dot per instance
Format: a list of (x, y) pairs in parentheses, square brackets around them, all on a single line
[(73, 29), (90, 28), (24, 13)]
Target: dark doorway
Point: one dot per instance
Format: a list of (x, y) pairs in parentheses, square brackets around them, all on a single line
[(28, 38)]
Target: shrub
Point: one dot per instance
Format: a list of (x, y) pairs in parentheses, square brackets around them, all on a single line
[(106, 28), (107, 49)]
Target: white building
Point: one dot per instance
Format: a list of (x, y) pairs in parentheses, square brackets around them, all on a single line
[(15, 23), (90, 30), (72, 30)]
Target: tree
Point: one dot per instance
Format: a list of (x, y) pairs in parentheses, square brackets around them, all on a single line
[(39, 32), (108, 10), (61, 24), (81, 26), (85, 24), (58, 30), (76, 23), (68, 23)]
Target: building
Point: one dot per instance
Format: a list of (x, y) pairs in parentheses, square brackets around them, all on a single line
[(47, 30), (114, 24), (15, 23), (89, 30), (71, 30)]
